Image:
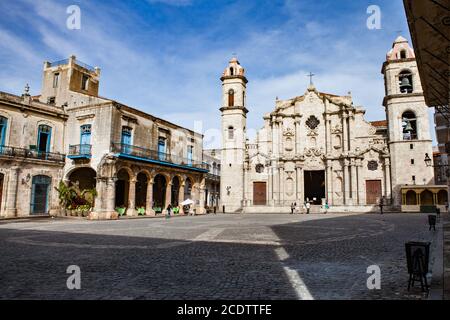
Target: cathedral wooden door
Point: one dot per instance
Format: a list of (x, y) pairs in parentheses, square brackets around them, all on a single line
[(373, 191), (259, 194)]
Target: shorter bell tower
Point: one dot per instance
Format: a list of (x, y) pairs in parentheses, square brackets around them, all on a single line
[(234, 119)]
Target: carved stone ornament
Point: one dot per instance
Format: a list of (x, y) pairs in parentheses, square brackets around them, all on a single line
[(313, 152), (312, 122), (289, 132), (337, 129)]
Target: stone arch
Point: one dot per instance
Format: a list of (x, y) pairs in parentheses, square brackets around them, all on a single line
[(142, 180), (160, 182), (411, 198), (426, 198), (84, 177), (122, 187), (175, 190)]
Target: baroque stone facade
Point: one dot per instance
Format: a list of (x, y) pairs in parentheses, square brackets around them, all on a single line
[(318, 147)]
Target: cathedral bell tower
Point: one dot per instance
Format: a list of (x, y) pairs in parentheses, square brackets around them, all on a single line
[(408, 122), (234, 118)]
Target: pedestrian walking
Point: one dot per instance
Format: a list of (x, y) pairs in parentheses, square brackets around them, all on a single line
[(169, 210), (292, 208), (308, 207)]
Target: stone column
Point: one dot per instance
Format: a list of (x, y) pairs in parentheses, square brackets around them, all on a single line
[(281, 178), (280, 136), (344, 133), (328, 135), (299, 182), (101, 191), (181, 196), (330, 182), (131, 211), (110, 198), (201, 208), (346, 183), (298, 140), (351, 121), (359, 182), (270, 185), (149, 200), (274, 136), (387, 172), (11, 193), (354, 183), (168, 195)]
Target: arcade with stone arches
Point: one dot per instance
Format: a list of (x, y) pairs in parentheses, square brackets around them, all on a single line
[(127, 185)]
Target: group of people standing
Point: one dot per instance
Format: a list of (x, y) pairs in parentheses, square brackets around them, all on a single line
[(306, 207)]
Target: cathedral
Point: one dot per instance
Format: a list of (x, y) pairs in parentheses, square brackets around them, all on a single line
[(318, 147)]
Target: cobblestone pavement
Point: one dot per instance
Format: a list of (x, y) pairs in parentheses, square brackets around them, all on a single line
[(211, 257)]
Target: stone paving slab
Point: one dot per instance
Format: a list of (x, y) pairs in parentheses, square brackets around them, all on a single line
[(275, 257)]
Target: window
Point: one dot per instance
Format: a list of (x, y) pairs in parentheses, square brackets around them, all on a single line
[(190, 152), (51, 100), (411, 146), (403, 54), (414, 179), (3, 125), (44, 138), (85, 139), (56, 80), (231, 71), (405, 79), (231, 98), (409, 126), (162, 148), (372, 165), (84, 82), (126, 139), (230, 133), (259, 168), (412, 161), (312, 122)]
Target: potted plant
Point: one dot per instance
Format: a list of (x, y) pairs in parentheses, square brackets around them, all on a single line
[(121, 211), (140, 211), (176, 210)]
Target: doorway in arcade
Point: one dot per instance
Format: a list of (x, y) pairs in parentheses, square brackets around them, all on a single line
[(314, 186)]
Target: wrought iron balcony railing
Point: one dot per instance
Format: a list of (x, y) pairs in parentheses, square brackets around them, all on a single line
[(80, 151), (14, 152), (153, 155)]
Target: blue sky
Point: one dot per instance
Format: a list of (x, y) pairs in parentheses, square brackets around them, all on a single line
[(165, 57)]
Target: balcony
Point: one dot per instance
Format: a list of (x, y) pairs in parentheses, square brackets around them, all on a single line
[(152, 156), (13, 152), (80, 151)]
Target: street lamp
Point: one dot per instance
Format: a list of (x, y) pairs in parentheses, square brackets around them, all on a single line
[(428, 160)]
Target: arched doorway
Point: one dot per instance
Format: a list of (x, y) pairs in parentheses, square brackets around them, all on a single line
[(141, 190), (426, 198), (84, 177), (122, 188), (175, 191), (2, 178), (40, 195), (442, 197), (411, 198), (159, 193), (188, 189)]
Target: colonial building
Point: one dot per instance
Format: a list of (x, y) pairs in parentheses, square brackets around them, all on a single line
[(318, 147), (31, 155), (134, 160), (212, 158)]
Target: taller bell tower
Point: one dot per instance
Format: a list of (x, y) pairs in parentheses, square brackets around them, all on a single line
[(234, 119), (408, 121)]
